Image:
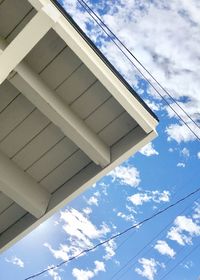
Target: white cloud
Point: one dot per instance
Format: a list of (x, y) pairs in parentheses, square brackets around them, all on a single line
[(81, 233), (184, 230), (139, 198), (149, 150), (126, 175), (198, 155), (110, 248), (188, 264), (163, 248), (16, 261), (153, 105), (185, 152), (155, 196), (149, 268), (87, 210), (54, 274), (180, 164), (99, 266), (93, 200), (196, 214), (127, 218), (81, 274), (180, 133)]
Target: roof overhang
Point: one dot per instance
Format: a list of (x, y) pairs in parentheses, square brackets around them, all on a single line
[(67, 117)]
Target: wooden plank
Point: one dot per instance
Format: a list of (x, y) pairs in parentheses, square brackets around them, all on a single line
[(60, 68), (11, 13), (45, 99), (16, 231), (7, 93), (15, 52), (22, 188), (106, 76), (65, 171), (90, 100), (20, 25), (45, 51), (18, 138), (10, 216), (14, 114), (40, 145), (5, 202), (52, 159), (105, 114), (117, 129), (76, 84)]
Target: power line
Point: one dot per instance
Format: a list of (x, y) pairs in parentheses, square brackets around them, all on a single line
[(88, 9), (115, 236), (126, 265), (175, 266)]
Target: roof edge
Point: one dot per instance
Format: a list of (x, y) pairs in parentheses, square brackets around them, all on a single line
[(102, 56)]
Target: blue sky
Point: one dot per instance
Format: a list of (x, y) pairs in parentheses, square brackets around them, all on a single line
[(165, 37)]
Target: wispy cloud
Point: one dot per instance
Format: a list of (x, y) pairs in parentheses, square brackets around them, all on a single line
[(149, 268), (110, 249), (164, 249), (93, 200), (126, 175), (184, 230), (16, 261), (149, 150), (81, 233), (147, 196), (180, 164), (81, 274), (54, 274)]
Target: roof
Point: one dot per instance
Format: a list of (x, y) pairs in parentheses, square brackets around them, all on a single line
[(67, 117)]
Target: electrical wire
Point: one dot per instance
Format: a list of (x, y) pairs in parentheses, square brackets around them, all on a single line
[(127, 264), (177, 264), (88, 9), (116, 235)]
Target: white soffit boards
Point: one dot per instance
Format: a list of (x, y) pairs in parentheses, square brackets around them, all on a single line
[(66, 116)]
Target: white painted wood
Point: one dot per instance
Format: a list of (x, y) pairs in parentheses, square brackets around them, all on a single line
[(60, 68), (14, 114), (130, 103), (4, 202), (39, 146), (21, 188), (46, 100), (74, 187), (105, 114), (90, 100), (60, 114), (52, 159), (23, 133), (76, 84), (20, 25), (117, 129), (10, 216), (65, 171), (79, 173), (7, 93), (16, 230), (45, 51), (23, 43), (11, 13)]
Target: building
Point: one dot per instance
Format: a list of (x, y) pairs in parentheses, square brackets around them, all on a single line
[(67, 117)]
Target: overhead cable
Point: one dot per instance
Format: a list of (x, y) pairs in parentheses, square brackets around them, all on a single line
[(115, 236), (184, 258), (128, 265), (95, 17)]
